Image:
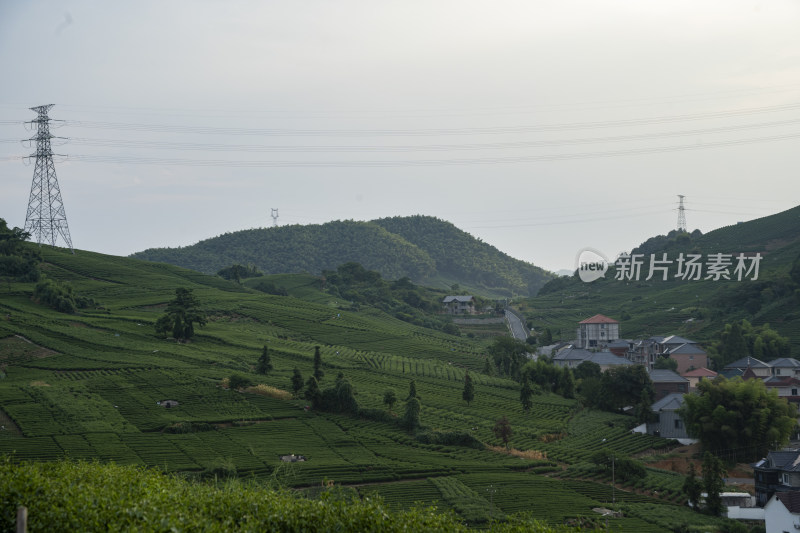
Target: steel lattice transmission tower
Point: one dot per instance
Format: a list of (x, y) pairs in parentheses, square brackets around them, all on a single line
[(46, 218), (274, 215), (681, 215)]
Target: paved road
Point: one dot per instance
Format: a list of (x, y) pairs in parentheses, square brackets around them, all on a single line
[(517, 327)]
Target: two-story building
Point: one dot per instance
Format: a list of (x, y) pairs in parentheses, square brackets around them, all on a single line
[(459, 305), (667, 423), (667, 382), (777, 472), (597, 332)]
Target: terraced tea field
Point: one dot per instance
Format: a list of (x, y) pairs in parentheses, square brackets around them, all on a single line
[(101, 385)]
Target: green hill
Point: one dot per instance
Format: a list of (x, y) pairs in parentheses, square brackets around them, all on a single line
[(695, 309), (95, 384), (427, 250)]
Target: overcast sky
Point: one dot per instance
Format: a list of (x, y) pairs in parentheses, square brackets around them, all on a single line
[(540, 127)]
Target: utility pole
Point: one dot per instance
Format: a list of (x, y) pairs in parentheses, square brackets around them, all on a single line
[(681, 215), (46, 218), (274, 215)]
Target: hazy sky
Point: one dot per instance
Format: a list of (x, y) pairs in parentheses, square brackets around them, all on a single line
[(541, 127)]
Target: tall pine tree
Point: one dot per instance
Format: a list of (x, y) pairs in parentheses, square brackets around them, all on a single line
[(469, 389), (264, 365), (318, 372)]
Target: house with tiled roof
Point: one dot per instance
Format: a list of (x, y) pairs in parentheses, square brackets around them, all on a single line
[(782, 512), (459, 305), (694, 376), (779, 471), (667, 382), (597, 332), (759, 368), (667, 423), (608, 360), (786, 386), (785, 366), (571, 357), (688, 356)]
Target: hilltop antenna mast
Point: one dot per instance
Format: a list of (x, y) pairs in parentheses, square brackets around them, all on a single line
[(681, 215), (46, 218), (274, 215)]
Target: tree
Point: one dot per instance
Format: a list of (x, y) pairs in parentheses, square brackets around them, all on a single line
[(468, 394), (588, 369), (412, 390), (644, 409), (692, 488), (182, 313), (666, 363), (389, 399), (17, 261), (741, 415), (411, 417), (264, 365), (312, 392), (488, 367), (502, 430), (546, 337), (297, 381), (712, 483), (318, 372), (238, 382), (525, 394)]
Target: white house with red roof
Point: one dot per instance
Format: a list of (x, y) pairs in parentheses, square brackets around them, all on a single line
[(597, 332)]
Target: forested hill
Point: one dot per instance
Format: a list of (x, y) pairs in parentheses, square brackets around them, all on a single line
[(427, 250), (696, 309)]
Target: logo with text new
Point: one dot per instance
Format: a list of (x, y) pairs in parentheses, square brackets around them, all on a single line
[(591, 264)]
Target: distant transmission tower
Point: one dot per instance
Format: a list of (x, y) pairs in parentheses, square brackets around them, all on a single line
[(681, 215), (274, 215), (46, 218)]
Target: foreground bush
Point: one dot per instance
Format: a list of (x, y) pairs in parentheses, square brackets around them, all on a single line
[(80, 496)]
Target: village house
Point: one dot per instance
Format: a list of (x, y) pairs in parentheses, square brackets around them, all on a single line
[(597, 332), (667, 422), (759, 368), (666, 382), (688, 356), (785, 366), (694, 376), (782, 512), (459, 305), (778, 472)]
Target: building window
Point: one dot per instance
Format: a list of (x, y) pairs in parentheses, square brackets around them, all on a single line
[(602, 326), (691, 358), (778, 371), (785, 478), (794, 392), (678, 424)]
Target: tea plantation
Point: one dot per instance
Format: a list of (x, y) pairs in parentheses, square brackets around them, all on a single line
[(100, 384)]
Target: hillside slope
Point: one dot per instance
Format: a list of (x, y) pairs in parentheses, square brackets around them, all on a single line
[(695, 309), (94, 385), (425, 249)]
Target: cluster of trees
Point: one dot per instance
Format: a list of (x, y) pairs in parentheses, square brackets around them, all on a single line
[(401, 299), (507, 356), (18, 261), (182, 314), (237, 272), (712, 483), (737, 418), (740, 339), (415, 247), (549, 377), (624, 468), (616, 388)]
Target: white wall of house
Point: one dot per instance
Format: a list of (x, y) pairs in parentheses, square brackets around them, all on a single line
[(777, 517)]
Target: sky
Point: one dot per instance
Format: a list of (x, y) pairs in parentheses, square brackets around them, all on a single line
[(541, 127)]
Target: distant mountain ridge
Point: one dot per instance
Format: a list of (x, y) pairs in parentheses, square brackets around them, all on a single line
[(425, 249)]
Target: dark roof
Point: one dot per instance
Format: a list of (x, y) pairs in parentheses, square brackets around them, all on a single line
[(674, 339), (790, 499), (670, 402), (620, 343), (665, 375), (608, 358), (785, 362), (781, 381), (730, 373), (748, 361), (464, 299), (598, 319), (688, 349), (785, 460), (573, 353)]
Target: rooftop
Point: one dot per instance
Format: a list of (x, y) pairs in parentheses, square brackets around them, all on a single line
[(464, 298), (669, 402), (746, 362), (665, 375), (790, 500), (700, 373), (598, 319)]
